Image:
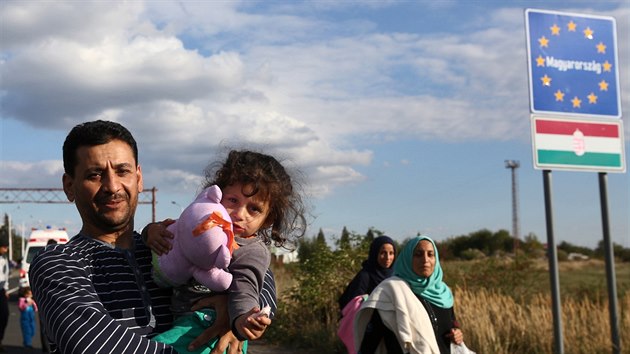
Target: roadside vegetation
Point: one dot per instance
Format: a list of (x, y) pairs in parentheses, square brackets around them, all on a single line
[(502, 297)]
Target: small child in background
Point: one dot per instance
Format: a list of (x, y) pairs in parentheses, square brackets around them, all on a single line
[(27, 307)]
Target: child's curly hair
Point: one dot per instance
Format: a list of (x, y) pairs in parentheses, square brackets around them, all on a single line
[(268, 177)]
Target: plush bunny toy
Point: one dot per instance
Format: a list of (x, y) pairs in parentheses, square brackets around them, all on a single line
[(202, 246)]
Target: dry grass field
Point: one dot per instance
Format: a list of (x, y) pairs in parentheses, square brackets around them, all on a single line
[(498, 321), (503, 305), (498, 324)]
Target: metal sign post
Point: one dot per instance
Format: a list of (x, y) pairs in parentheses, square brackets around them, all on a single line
[(552, 254), (610, 264)]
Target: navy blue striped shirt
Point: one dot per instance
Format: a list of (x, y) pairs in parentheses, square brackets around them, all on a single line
[(94, 298), (268, 293)]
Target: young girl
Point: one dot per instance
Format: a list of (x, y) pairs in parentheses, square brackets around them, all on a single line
[(28, 307), (264, 207)]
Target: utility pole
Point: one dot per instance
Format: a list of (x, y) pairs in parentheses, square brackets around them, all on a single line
[(10, 238), (513, 165)]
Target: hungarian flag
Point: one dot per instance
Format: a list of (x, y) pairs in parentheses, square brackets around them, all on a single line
[(578, 144)]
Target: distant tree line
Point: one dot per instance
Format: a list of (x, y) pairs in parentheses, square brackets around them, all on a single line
[(477, 244)]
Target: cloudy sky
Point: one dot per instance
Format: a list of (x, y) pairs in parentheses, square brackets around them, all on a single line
[(397, 115)]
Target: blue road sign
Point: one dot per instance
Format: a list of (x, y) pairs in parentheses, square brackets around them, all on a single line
[(573, 66)]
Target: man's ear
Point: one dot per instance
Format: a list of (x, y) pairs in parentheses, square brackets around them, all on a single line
[(140, 180), (67, 181)]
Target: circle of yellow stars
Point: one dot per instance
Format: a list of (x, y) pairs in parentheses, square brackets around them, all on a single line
[(601, 48)]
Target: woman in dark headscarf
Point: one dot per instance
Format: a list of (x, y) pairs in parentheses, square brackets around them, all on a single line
[(375, 269), (378, 267)]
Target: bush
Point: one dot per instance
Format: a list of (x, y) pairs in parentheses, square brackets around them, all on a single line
[(310, 311), (515, 277), (562, 255), (471, 254)]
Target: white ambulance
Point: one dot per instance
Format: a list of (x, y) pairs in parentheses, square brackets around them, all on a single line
[(37, 241)]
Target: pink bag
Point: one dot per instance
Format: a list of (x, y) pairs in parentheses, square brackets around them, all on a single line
[(346, 324)]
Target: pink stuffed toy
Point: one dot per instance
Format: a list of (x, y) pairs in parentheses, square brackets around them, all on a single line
[(202, 246)]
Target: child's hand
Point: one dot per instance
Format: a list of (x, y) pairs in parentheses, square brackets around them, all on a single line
[(253, 324), (265, 311), (157, 237)]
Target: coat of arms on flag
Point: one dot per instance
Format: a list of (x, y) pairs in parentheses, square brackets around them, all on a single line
[(562, 143)]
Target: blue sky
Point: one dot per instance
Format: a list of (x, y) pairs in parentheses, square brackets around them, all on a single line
[(399, 115)]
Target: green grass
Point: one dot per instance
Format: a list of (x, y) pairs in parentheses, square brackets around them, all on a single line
[(589, 279), (578, 279)]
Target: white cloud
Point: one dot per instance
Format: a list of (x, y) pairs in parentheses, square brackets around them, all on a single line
[(31, 174), (69, 80), (348, 86), (189, 78), (28, 23), (332, 176), (172, 180)]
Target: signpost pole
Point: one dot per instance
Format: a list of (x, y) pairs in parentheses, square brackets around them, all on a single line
[(553, 266), (610, 264)]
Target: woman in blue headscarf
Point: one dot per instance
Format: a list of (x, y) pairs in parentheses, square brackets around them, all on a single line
[(414, 308)]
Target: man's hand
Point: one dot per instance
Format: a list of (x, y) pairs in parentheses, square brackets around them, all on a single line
[(220, 327), (228, 342), (157, 237)]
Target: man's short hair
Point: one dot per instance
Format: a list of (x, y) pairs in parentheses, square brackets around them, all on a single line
[(94, 133)]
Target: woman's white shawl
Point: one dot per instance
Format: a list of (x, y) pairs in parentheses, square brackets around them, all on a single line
[(402, 313)]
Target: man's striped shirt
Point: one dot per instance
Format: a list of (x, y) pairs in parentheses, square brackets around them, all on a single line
[(95, 298)]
